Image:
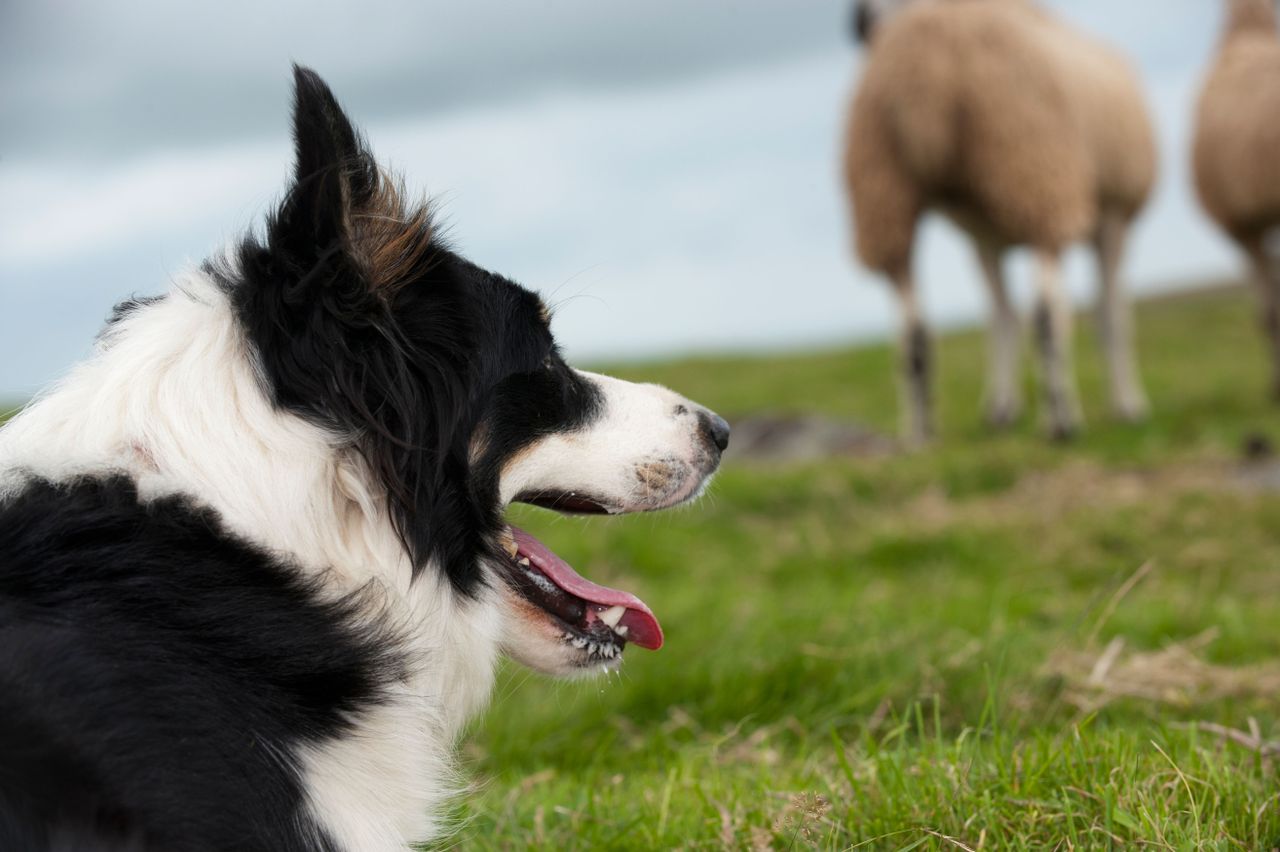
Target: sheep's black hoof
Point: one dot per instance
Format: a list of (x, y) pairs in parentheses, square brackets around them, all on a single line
[(1002, 417), (1064, 433), (1257, 446)]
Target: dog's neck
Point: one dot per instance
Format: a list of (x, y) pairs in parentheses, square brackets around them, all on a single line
[(172, 398)]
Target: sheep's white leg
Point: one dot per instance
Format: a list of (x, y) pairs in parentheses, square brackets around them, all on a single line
[(917, 419), (1265, 258), (1053, 334), (1115, 323), (1004, 396)]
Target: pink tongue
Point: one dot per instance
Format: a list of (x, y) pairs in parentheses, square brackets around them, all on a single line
[(642, 628)]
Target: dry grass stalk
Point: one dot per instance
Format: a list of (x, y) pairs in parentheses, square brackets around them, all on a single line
[(1176, 674)]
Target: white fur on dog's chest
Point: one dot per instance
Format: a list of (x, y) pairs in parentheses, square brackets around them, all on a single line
[(384, 784)]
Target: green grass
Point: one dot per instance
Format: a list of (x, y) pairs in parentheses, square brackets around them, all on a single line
[(893, 653)]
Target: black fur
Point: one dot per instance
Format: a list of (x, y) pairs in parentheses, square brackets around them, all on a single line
[(156, 675), (918, 356), (122, 310)]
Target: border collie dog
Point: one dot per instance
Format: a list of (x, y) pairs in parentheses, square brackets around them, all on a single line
[(254, 572)]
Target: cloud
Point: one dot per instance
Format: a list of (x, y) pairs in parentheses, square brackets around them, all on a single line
[(85, 79), (66, 212), (662, 215)]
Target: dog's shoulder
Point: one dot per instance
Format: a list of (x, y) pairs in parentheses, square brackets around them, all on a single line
[(190, 666)]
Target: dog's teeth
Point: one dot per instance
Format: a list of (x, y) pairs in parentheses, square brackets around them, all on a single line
[(509, 543), (621, 631), (613, 615), (523, 560)]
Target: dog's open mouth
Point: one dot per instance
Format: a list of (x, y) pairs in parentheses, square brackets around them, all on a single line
[(593, 618), (567, 503)]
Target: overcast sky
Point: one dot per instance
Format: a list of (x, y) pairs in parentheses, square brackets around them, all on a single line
[(664, 171)]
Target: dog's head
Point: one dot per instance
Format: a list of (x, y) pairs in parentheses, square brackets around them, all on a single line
[(444, 381)]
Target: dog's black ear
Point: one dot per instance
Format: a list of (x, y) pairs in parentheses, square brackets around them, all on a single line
[(323, 136), (343, 219), (334, 173)]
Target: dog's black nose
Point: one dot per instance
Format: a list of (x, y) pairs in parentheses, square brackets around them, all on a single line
[(717, 428)]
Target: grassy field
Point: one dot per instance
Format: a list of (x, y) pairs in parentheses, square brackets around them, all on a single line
[(995, 643)]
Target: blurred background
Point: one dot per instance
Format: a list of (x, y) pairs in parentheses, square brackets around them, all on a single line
[(665, 172)]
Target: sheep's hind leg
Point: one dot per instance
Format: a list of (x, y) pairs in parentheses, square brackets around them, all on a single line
[(915, 364), (1053, 334), (1004, 397), (1265, 256), (1115, 323)]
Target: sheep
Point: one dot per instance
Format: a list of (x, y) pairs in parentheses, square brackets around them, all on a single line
[(1236, 152), (1025, 133)]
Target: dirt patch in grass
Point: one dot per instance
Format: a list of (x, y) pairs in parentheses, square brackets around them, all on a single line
[(1051, 495), (1177, 675), (1260, 476), (788, 438)]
